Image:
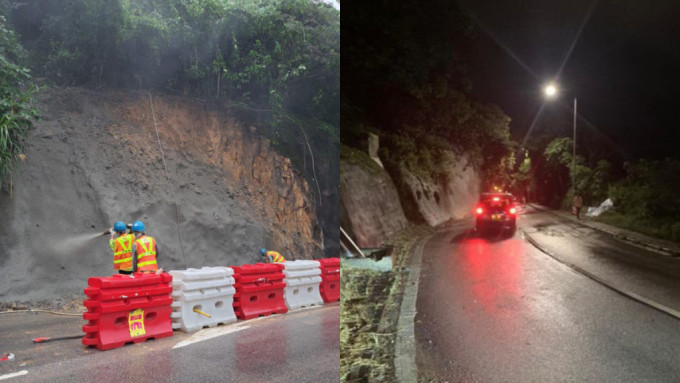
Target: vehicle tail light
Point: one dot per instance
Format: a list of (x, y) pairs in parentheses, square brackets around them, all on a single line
[(512, 210), (479, 211)]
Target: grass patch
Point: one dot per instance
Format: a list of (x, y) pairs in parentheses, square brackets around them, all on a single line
[(653, 228), (370, 307)]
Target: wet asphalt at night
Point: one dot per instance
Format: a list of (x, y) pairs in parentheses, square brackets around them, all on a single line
[(300, 346), (494, 308)]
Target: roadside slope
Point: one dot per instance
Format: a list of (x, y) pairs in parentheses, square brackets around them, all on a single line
[(94, 159)]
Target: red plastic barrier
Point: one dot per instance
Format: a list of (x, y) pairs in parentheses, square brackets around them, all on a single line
[(123, 309), (259, 290), (330, 279)]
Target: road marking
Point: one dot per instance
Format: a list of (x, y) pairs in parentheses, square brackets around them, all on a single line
[(634, 296), (210, 333), (14, 374), (306, 308), (621, 237)]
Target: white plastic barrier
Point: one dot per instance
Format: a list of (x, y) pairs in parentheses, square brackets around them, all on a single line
[(302, 284), (199, 293)]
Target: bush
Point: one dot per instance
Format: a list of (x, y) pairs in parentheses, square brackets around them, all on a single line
[(646, 200), (650, 190), (16, 112)]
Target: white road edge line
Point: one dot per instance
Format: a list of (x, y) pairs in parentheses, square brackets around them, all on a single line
[(648, 302), (625, 239), (306, 308), (13, 375), (210, 333)]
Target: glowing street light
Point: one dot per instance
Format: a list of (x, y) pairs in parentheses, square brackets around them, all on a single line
[(550, 90)]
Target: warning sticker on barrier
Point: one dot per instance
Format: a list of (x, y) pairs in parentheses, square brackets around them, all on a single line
[(136, 323)]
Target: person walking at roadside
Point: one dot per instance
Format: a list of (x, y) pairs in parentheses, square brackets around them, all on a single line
[(144, 251), (121, 245), (272, 256), (578, 205)]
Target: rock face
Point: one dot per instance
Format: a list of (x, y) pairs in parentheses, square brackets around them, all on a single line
[(95, 159), (370, 206), (438, 202)]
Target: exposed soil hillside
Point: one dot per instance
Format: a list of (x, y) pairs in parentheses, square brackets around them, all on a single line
[(94, 158)]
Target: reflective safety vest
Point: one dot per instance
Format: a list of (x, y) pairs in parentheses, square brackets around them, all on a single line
[(122, 252), (146, 254), (278, 258)]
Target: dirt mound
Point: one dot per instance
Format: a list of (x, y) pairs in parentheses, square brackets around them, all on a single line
[(95, 159)]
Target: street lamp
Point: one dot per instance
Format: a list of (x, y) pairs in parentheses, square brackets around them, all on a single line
[(550, 91)]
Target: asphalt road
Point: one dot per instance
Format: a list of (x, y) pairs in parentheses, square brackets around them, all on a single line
[(300, 346), (496, 309)]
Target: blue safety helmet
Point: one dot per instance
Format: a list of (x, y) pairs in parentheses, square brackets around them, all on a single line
[(119, 226), (138, 226), (262, 251)]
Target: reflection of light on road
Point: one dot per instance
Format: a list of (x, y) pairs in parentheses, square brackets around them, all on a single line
[(493, 272), (262, 350)]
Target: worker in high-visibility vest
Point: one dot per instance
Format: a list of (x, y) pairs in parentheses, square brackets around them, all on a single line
[(144, 251), (121, 244), (272, 256)]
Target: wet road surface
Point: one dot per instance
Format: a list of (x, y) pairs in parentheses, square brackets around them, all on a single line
[(300, 346), (496, 309)]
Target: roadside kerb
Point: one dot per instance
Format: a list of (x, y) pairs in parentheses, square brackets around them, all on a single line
[(618, 233), (648, 302), (405, 354)]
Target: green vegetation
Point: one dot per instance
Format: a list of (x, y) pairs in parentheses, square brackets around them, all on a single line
[(651, 227), (370, 308), (444, 125), (646, 200), (364, 350), (591, 183), (281, 56), (16, 92), (277, 58)]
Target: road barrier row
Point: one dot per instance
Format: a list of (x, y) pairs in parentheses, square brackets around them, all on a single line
[(133, 308)]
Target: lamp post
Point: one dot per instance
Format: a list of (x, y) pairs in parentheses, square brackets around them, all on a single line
[(550, 91)]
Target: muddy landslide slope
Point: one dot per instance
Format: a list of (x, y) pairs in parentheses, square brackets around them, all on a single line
[(94, 159)]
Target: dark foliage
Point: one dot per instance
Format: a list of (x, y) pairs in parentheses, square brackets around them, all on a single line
[(16, 112)]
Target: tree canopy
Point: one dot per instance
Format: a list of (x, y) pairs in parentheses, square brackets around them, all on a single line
[(274, 64), (279, 56)]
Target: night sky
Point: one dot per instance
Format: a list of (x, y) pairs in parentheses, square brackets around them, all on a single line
[(624, 68)]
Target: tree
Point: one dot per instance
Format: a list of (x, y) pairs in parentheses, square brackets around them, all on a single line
[(16, 112), (590, 183)]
